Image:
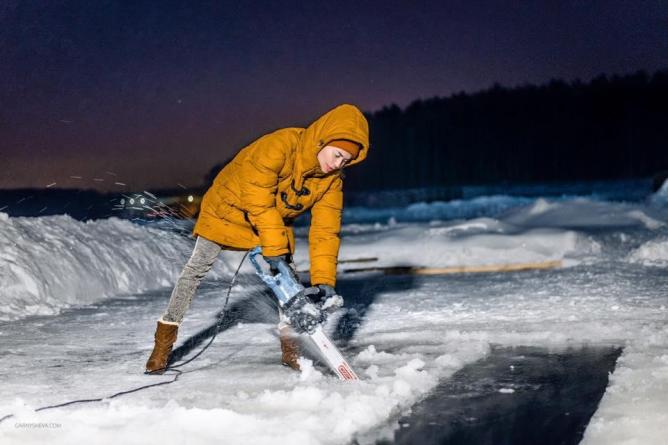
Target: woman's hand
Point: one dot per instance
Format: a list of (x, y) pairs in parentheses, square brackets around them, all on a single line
[(324, 297), (274, 261)]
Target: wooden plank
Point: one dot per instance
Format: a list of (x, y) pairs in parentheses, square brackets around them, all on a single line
[(358, 260), (409, 270)]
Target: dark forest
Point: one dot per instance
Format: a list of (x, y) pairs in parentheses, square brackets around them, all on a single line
[(609, 128)]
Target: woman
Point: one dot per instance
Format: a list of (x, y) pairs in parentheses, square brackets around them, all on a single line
[(254, 200)]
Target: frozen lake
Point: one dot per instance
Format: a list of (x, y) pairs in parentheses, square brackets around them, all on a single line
[(80, 302)]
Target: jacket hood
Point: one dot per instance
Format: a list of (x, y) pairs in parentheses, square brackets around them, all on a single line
[(343, 122)]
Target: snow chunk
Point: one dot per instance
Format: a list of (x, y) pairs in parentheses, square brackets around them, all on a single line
[(653, 252), (307, 371), (370, 355)]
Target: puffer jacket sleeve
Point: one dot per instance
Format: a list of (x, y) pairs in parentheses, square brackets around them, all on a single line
[(324, 237), (259, 182)]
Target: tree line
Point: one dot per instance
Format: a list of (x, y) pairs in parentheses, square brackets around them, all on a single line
[(608, 128)]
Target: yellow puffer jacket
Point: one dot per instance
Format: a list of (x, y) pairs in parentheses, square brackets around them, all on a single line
[(255, 198)]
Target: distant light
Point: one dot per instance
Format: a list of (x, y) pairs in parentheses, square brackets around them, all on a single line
[(142, 201), (123, 201), (132, 201), (190, 198)]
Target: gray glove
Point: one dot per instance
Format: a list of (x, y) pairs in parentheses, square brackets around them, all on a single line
[(274, 261), (324, 297)]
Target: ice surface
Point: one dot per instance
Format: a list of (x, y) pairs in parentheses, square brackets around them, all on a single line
[(401, 334)]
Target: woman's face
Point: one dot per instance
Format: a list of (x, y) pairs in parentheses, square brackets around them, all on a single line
[(333, 158)]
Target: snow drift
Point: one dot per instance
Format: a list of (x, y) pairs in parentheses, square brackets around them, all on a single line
[(53, 262)]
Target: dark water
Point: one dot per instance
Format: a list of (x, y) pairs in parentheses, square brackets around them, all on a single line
[(517, 396)]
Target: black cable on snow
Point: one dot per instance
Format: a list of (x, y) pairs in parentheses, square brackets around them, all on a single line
[(174, 368)]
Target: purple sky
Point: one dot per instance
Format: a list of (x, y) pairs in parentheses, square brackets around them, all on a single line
[(154, 94)]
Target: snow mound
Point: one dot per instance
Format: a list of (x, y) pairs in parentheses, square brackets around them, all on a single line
[(53, 262), (542, 230), (660, 198), (651, 253), (475, 242), (581, 213)]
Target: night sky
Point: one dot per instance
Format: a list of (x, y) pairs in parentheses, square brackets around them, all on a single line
[(153, 94)]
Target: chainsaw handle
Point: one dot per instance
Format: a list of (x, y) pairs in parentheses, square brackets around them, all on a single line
[(283, 266), (282, 284)]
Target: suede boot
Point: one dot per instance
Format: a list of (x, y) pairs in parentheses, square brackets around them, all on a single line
[(289, 347), (165, 336)]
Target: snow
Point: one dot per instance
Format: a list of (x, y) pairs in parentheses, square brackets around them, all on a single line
[(98, 288), (660, 198), (420, 211), (653, 252), (54, 262)]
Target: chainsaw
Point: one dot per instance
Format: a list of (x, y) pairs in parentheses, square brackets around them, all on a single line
[(285, 286)]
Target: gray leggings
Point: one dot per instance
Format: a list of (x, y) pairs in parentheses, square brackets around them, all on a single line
[(199, 264)]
